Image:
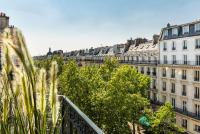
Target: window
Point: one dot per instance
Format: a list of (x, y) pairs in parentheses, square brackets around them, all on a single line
[(173, 90), (149, 59), (164, 85), (142, 70), (172, 73), (154, 72), (154, 84), (196, 93), (154, 97), (197, 110), (197, 27), (173, 45), (173, 59), (184, 123), (165, 33), (184, 92), (174, 102), (184, 44), (137, 58), (197, 128), (165, 59), (164, 72), (184, 106), (196, 75), (148, 71), (185, 29), (197, 60), (197, 43), (174, 31), (184, 76), (164, 46), (164, 98), (185, 59), (143, 59)]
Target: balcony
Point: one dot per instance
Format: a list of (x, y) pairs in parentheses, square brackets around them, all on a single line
[(164, 88), (184, 77), (173, 48), (172, 75), (196, 96), (148, 72), (164, 75), (154, 73), (153, 62), (74, 120), (173, 91), (164, 49), (180, 62), (184, 93), (196, 79)]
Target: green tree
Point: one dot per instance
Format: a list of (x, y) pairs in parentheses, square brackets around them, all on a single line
[(163, 121), (111, 95)]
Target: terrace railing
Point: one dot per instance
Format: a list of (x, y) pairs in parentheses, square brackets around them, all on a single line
[(75, 121)]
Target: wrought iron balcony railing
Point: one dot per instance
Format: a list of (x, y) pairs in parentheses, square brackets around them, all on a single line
[(74, 120), (180, 62)]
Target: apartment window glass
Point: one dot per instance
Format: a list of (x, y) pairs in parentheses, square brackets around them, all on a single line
[(172, 73), (148, 71), (185, 59), (173, 88), (174, 102), (149, 59), (197, 59), (164, 72), (184, 74), (154, 84), (142, 70), (165, 33), (184, 44), (197, 110), (137, 58), (164, 46), (197, 43), (164, 85), (184, 123), (197, 27), (154, 71), (165, 59), (196, 93), (184, 106), (196, 75), (174, 59), (174, 31), (164, 98), (184, 92), (185, 29), (173, 45)]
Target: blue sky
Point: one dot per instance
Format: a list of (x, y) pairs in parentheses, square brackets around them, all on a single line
[(78, 24)]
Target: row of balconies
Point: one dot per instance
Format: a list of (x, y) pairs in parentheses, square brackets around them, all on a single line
[(184, 93), (180, 62), (155, 62), (184, 77)]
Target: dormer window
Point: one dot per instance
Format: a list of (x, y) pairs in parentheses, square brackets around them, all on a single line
[(165, 33), (174, 31), (185, 29), (197, 27)]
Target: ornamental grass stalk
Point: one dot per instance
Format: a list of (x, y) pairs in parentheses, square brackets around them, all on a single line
[(24, 90)]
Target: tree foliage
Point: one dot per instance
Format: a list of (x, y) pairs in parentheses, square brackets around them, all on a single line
[(111, 95)]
